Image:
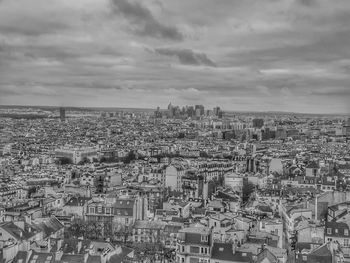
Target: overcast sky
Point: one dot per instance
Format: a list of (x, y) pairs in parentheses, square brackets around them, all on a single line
[(279, 55)]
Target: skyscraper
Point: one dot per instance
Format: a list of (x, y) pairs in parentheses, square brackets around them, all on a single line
[(62, 114), (258, 123)]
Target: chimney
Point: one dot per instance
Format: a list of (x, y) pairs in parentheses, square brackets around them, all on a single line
[(58, 255), (79, 245), (233, 248), (59, 244), (86, 256), (19, 224), (27, 219)]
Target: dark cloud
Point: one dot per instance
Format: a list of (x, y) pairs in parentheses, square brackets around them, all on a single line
[(32, 27), (307, 2), (336, 92), (187, 56), (143, 21)]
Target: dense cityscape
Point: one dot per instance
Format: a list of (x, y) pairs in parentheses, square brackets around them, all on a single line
[(181, 184), (174, 131)]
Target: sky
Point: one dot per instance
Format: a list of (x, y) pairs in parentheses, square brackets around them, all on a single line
[(242, 55)]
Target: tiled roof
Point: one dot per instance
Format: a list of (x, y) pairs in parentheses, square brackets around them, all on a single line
[(16, 232), (224, 251), (49, 226), (149, 224), (267, 257), (77, 201)]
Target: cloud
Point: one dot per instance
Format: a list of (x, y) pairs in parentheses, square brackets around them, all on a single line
[(144, 22), (187, 56), (306, 2), (251, 55)]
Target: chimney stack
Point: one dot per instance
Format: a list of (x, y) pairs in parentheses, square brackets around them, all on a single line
[(58, 255), (233, 248), (79, 246)]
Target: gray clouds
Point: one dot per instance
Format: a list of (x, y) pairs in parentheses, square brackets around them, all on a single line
[(288, 55), (143, 21), (187, 56)]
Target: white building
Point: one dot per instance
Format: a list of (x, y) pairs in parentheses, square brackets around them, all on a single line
[(77, 154)]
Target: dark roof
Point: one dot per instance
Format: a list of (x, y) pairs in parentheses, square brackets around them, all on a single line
[(338, 229), (16, 232), (124, 203), (322, 251), (144, 224), (118, 258), (77, 201), (72, 258), (227, 197), (71, 246), (44, 257), (50, 226), (93, 259), (224, 251), (312, 165), (264, 208), (266, 254), (21, 255)]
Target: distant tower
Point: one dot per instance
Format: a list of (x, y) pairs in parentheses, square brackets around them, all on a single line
[(62, 114)]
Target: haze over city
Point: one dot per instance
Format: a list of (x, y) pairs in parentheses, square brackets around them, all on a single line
[(287, 55)]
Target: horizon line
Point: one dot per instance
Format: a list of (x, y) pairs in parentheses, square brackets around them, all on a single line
[(135, 108)]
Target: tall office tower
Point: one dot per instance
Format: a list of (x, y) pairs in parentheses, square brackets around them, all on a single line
[(200, 108), (216, 111), (258, 123), (62, 114), (346, 128)]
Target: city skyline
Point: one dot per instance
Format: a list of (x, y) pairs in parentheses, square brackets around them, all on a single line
[(287, 56)]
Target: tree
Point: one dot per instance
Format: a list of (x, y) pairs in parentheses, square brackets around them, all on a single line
[(203, 154), (84, 161), (63, 160), (122, 232), (76, 229), (31, 190), (247, 190), (130, 157)]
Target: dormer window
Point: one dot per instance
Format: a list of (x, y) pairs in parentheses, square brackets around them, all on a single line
[(346, 232), (329, 231)]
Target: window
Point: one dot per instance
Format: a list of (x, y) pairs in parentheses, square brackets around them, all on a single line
[(346, 242), (92, 210), (304, 258), (329, 231), (204, 238), (126, 220), (346, 232), (263, 225), (108, 210), (99, 209), (336, 231)]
